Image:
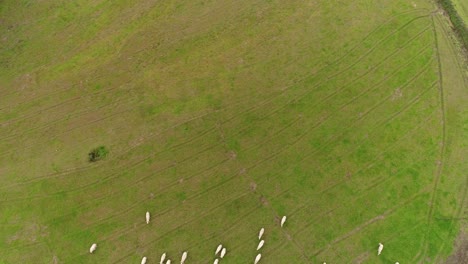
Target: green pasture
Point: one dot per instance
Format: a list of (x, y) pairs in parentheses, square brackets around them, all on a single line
[(462, 9), (220, 117)]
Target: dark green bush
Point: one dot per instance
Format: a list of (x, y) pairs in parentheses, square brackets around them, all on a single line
[(98, 154)]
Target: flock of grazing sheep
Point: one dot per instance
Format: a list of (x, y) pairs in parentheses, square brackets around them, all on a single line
[(221, 250)]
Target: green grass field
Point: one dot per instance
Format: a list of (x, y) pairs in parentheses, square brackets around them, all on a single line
[(462, 9), (222, 116)]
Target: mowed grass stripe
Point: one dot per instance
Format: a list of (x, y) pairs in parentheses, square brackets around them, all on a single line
[(365, 185), (295, 100), (325, 246), (164, 224), (328, 142), (224, 7), (332, 212), (174, 147), (108, 195), (322, 119), (392, 240), (140, 162), (270, 179), (367, 166), (412, 10), (413, 102), (368, 137), (202, 216)]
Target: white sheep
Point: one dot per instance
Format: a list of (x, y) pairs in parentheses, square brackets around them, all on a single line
[(257, 259), (168, 261), (218, 249), (260, 234), (260, 244), (223, 252), (380, 249), (283, 220), (92, 248), (147, 217), (184, 257), (163, 257), (216, 261), (143, 260)]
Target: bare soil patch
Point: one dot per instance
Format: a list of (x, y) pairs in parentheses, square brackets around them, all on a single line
[(460, 254)]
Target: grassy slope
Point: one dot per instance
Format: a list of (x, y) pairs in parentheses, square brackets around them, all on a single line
[(454, 83), (221, 117), (462, 8)]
